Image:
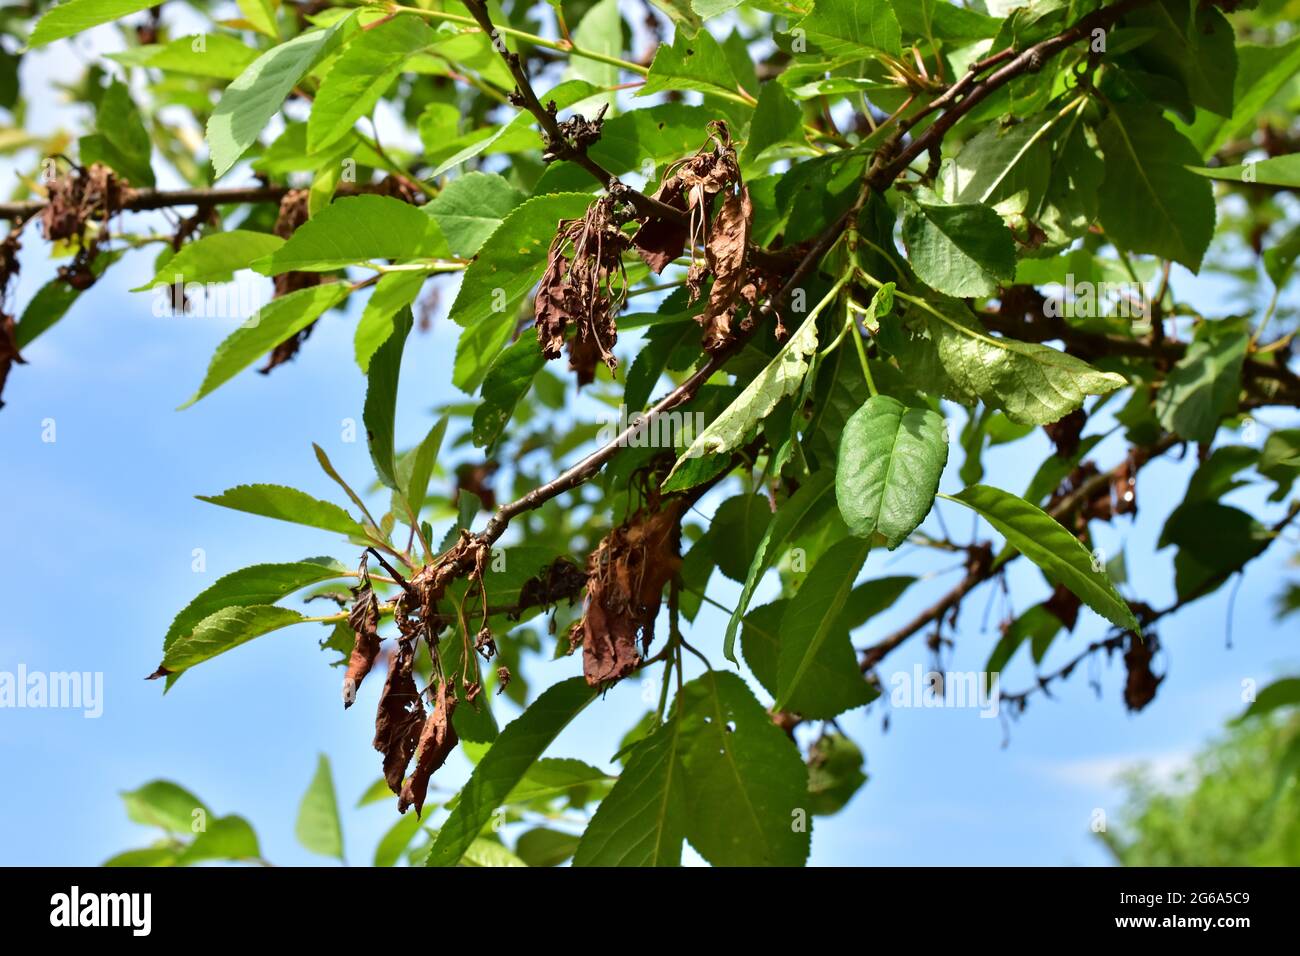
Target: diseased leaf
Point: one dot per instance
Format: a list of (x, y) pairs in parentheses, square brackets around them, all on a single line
[(1061, 556), (1034, 384), (890, 460), (780, 378)]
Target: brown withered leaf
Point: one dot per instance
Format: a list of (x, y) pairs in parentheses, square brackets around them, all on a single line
[(561, 579), (400, 716), (659, 241), (294, 211), (364, 620), (8, 351), (626, 575), (1065, 432), (437, 741), (73, 200), (584, 286), (725, 254), (1140, 687), (1064, 605)]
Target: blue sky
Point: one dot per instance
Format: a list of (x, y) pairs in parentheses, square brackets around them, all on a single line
[(100, 528)]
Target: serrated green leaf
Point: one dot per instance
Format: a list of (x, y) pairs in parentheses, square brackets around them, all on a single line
[(506, 382), (215, 55), (422, 462), (256, 95), (214, 258), (287, 504), (74, 16), (471, 207), (780, 378), (890, 460), (161, 803), (1202, 387), (1277, 171), (501, 275), (394, 292), (962, 249), (811, 618), (745, 782), (853, 28), (1262, 71), (642, 821), (1149, 200), (519, 745), (223, 631), (380, 412), (270, 325), (1061, 556), (361, 74), (52, 302), (258, 584), (784, 525), (356, 229), (691, 63), (319, 828)]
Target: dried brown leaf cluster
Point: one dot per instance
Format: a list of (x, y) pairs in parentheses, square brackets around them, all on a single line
[(626, 575), (76, 198)]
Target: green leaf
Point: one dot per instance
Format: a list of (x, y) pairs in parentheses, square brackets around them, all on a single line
[(1037, 625), (853, 28), (601, 31), (834, 770), (216, 55), (1034, 384), (268, 327), (501, 275), (962, 249), (1213, 540), (260, 14), (1262, 71), (121, 140), (319, 828), (520, 744), (506, 382), (691, 63), (890, 460), (287, 504), (1061, 556), (398, 837), (223, 631), (745, 783), (685, 19), (258, 584), (1278, 171), (812, 615), (214, 258), (784, 524), (1194, 47), (1279, 258), (226, 838), (471, 207), (1280, 693), (777, 120), (161, 803), (255, 96), (756, 401), (1007, 168), (394, 292), (380, 411), (361, 74), (426, 455), (642, 821), (74, 16), (738, 525), (357, 229), (1202, 387), (545, 847), (52, 302), (485, 852), (833, 682), (1149, 201)]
